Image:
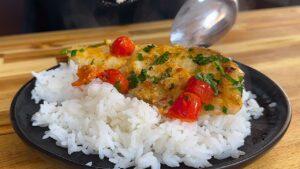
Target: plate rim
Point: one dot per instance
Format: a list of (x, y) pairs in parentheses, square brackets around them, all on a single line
[(277, 137), (261, 151)]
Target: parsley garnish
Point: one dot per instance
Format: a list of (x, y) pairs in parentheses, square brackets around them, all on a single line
[(209, 107), (64, 51), (170, 102), (92, 62), (224, 110), (162, 59), (140, 57), (73, 53), (209, 78), (237, 84), (143, 76), (165, 75), (202, 60), (97, 45), (156, 80), (117, 85), (133, 80), (148, 48)]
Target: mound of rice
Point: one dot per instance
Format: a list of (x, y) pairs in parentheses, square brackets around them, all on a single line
[(97, 119)]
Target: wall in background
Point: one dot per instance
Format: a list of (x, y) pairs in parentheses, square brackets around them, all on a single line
[(11, 16), (12, 12)]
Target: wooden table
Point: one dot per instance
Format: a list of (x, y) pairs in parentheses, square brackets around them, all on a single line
[(268, 40)]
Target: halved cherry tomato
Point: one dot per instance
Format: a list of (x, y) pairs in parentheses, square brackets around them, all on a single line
[(116, 78), (186, 107), (86, 74), (201, 89), (122, 46)]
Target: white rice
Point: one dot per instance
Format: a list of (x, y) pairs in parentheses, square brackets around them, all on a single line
[(89, 164), (120, 1), (273, 104), (97, 119)]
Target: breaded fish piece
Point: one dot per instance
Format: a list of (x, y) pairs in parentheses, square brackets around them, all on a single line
[(162, 72)]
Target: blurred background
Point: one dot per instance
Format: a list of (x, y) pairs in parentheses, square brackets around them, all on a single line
[(28, 16)]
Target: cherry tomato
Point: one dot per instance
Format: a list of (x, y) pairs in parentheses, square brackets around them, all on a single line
[(186, 107), (122, 46), (86, 74), (201, 89), (116, 78)]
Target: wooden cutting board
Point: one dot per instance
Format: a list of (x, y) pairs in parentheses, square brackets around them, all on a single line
[(268, 40)]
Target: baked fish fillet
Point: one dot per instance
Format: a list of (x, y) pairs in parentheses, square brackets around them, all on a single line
[(162, 72)]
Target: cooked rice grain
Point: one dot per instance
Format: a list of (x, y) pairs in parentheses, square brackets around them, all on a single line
[(97, 119)]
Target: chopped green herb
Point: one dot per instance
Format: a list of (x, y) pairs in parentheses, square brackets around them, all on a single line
[(64, 51), (172, 86), (133, 80), (156, 80), (97, 45), (165, 75), (237, 84), (73, 53), (202, 60), (117, 85), (220, 68), (191, 49), (92, 62), (81, 50), (209, 78), (218, 81), (148, 48), (162, 59), (240, 84), (224, 110), (186, 97), (223, 59), (170, 102), (209, 107), (140, 57), (143, 76)]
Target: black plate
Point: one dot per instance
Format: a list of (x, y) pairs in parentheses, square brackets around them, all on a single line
[(266, 131)]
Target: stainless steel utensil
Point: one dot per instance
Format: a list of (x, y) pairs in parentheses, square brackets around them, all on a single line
[(203, 22)]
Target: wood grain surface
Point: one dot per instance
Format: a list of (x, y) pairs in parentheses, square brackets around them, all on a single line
[(268, 40)]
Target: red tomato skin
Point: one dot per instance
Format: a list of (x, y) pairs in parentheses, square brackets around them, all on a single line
[(114, 76), (201, 89), (186, 107), (122, 46), (86, 74)]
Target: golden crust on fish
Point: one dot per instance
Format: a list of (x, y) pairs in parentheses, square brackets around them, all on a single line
[(165, 70)]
